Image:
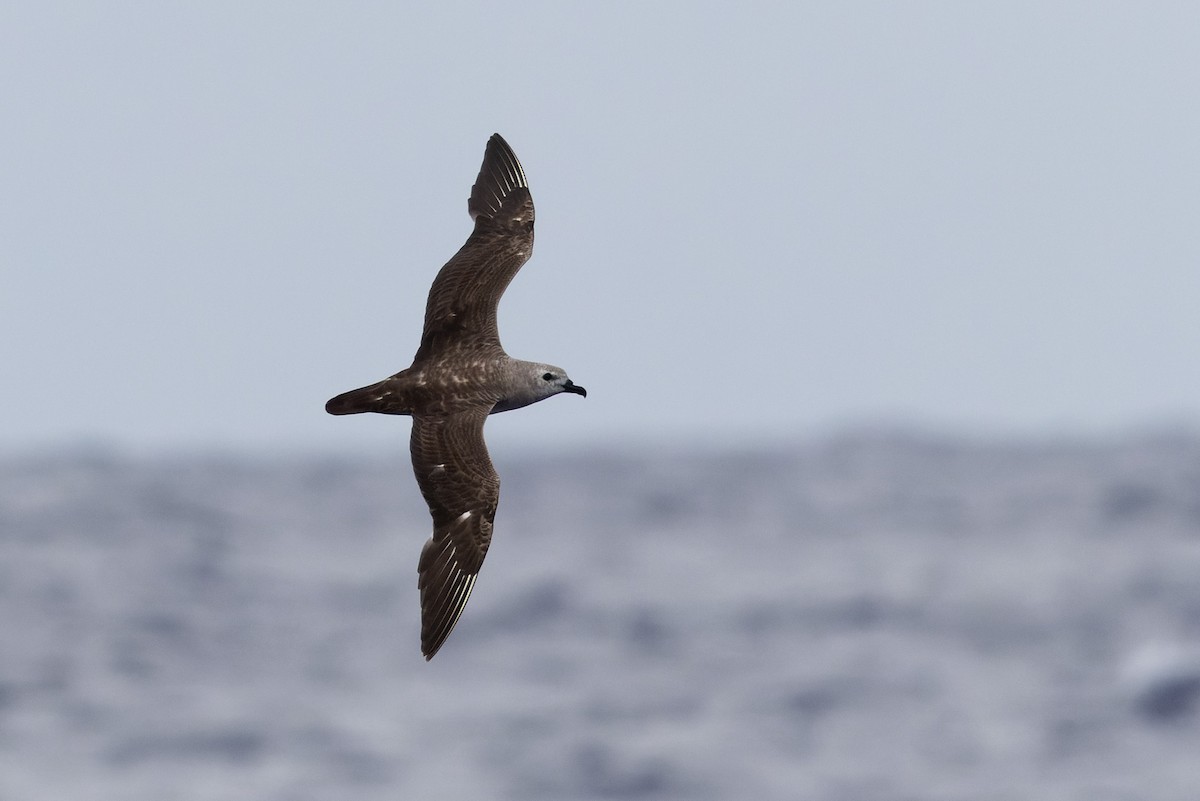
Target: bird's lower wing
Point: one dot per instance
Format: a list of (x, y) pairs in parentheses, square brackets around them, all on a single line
[(462, 489)]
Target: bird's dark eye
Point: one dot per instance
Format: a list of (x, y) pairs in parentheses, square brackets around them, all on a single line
[(548, 377)]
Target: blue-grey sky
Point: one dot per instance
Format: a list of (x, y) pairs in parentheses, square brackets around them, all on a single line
[(769, 220)]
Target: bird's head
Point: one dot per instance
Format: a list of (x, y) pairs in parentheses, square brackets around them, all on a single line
[(531, 382), (552, 380)]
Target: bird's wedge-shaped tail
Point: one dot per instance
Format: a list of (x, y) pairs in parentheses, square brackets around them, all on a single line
[(383, 397)]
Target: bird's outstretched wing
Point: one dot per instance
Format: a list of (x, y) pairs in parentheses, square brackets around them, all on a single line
[(461, 310), (462, 489)]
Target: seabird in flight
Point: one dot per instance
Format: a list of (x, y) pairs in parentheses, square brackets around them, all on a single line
[(458, 377)]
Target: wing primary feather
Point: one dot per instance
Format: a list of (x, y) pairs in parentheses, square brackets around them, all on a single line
[(500, 175), (439, 629)]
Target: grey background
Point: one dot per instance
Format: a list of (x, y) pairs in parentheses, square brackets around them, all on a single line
[(973, 216)]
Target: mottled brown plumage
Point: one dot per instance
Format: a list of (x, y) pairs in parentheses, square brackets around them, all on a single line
[(458, 377)]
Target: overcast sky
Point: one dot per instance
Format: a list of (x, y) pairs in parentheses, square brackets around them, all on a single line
[(768, 220)]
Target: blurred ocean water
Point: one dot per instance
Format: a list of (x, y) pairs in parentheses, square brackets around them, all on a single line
[(871, 616)]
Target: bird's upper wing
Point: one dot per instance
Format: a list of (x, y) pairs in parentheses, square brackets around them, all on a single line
[(462, 489), (461, 310)]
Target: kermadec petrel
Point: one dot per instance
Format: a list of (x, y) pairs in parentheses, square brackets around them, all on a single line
[(459, 376)]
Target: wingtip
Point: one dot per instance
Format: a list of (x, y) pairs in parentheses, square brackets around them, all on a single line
[(500, 179), (429, 649)]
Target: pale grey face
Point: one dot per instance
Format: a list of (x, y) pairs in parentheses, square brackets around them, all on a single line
[(532, 382), (554, 380)]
